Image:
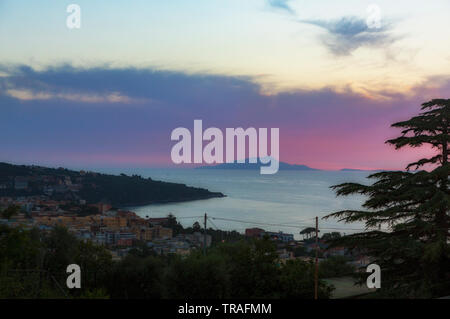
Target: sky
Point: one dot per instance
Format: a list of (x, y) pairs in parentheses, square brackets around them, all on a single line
[(331, 75)]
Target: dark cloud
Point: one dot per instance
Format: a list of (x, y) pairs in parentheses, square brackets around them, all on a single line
[(71, 130), (345, 35), (281, 5), (173, 91)]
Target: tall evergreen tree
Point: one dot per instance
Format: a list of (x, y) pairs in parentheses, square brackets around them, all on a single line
[(407, 213)]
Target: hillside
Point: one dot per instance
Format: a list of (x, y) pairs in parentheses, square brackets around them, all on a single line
[(118, 190)]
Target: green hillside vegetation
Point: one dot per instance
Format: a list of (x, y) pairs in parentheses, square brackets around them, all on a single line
[(33, 265), (118, 190)]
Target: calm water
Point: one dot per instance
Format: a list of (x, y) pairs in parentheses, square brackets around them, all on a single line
[(290, 198)]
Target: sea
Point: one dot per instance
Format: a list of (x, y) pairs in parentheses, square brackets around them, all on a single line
[(287, 201)]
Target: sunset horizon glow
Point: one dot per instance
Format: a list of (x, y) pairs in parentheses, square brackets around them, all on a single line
[(110, 93)]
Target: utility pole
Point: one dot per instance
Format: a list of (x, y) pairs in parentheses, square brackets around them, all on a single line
[(316, 273), (204, 236)]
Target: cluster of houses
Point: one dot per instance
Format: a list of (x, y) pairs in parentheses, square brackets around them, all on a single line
[(48, 185), (118, 230), (286, 245)]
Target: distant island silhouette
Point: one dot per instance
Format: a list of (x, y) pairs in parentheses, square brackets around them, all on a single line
[(283, 166), (253, 166)]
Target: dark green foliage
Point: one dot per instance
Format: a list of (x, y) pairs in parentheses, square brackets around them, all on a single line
[(308, 232), (413, 252), (253, 268), (297, 280), (300, 251), (10, 211), (18, 249), (121, 190), (173, 224), (141, 250), (217, 235), (242, 270), (196, 227), (330, 236), (135, 277), (198, 277), (128, 191), (61, 250), (33, 265), (95, 261), (335, 266)]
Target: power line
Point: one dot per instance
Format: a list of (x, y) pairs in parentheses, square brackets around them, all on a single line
[(296, 224), (337, 228), (282, 225), (254, 223), (214, 225), (300, 220)]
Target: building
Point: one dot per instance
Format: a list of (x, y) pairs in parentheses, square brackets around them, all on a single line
[(177, 246), (111, 222), (100, 238), (114, 222), (361, 261), (284, 254), (143, 233), (119, 238), (198, 239), (162, 232), (335, 251), (254, 232), (128, 242), (312, 246), (279, 236), (158, 221)]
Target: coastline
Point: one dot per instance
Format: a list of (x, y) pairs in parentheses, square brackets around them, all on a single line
[(172, 201)]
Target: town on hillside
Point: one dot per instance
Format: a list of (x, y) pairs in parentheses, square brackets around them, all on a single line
[(121, 230)]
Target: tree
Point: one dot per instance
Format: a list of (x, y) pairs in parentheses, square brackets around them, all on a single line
[(173, 224), (20, 275), (197, 277), (135, 278), (196, 227), (412, 250), (10, 211), (94, 260), (253, 268), (308, 232), (300, 251), (297, 281), (331, 236), (335, 266), (62, 248)]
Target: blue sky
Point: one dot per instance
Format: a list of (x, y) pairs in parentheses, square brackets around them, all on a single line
[(281, 49)]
